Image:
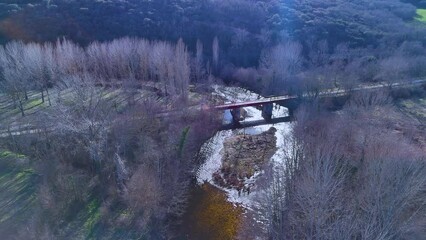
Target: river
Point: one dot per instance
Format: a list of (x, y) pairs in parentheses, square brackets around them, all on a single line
[(215, 212)]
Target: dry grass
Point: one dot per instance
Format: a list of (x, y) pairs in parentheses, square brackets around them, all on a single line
[(17, 193)]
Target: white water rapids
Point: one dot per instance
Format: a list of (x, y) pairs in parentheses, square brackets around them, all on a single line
[(213, 147)]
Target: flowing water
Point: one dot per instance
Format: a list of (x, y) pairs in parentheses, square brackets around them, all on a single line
[(213, 209), (213, 147)]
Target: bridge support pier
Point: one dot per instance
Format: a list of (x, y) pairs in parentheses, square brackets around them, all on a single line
[(236, 115), (290, 112), (267, 111)]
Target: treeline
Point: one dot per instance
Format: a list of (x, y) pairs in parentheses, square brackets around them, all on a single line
[(238, 23), (125, 62), (417, 3), (359, 22), (244, 27), (285, 68), (359, 174)]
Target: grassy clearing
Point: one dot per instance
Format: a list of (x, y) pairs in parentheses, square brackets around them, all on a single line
[(94, 215), (33, 103), (18, 204), (421, 15), (9, 154), (17, 193), (10, 113), (414, 107), (86, 222), (78, 219)]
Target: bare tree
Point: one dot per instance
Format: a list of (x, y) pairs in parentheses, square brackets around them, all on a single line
[(339, 59), (162, 54), (38, 64), (392, 69), (182, 70), (367, 99), (71, 59), (145, 194), (51, 69), (144, 51), (198, 62), (86, 116), (282, 62), (15, 75), (319, 53)]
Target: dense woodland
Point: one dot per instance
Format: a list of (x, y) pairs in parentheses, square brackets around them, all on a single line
[(244, 27), (105, 69)]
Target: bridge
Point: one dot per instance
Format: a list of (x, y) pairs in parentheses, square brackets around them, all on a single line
[(291, 102)]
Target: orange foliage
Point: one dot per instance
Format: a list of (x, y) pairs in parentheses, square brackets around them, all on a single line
[(12, 30)]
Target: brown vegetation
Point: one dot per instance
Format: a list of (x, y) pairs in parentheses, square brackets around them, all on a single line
[(243, 156), (106, 160)]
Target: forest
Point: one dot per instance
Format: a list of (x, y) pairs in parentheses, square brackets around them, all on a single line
[(107, 116)]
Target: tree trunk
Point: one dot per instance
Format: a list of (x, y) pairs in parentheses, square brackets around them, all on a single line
[(14, 103), (13, 138), (58, 98), (21, 107), (48, 97)]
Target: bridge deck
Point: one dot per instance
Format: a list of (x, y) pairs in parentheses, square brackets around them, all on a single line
[(254, 102), (325, 93)]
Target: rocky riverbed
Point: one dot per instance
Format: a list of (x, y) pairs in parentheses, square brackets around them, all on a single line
[(235, 159), (242, 156)]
